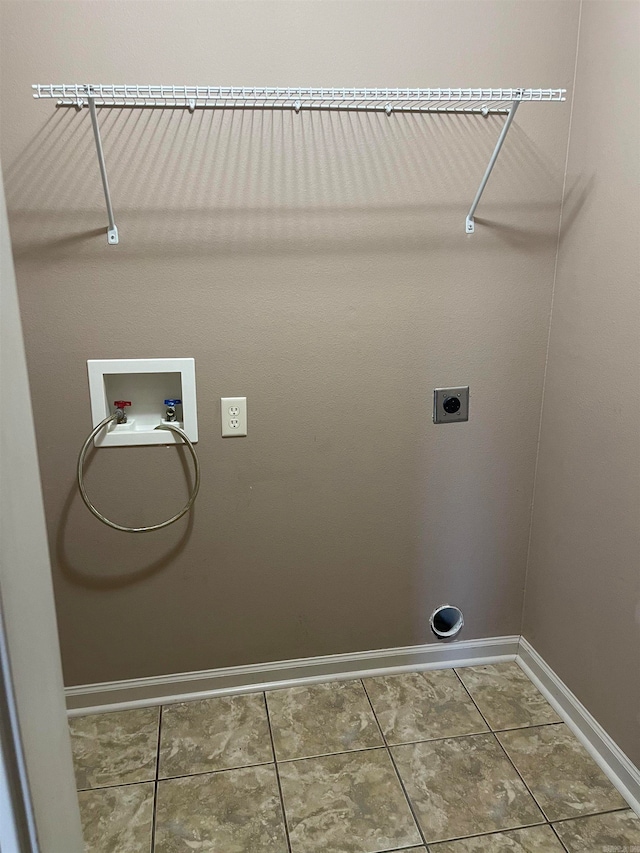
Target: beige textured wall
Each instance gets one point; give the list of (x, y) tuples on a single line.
[(582, 606), (317, 264)]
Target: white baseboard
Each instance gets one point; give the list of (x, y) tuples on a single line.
[(184, 686), (165, 689), (605, 752)]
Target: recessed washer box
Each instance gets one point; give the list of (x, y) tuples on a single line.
[(147, 383)]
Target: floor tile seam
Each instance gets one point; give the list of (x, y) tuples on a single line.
[(155, 784), (506, 728), (560, 841), (548, 823), (281, 761), (439, 739), (626, 808), (488, 729), (580, 817), (402, 849), (475, 704), (527, 727), (110, 787), (547, 817), (574, 817), (395, 769), (285, 823), (215, 772), (318, 754), (470, 736), (519, 775), (270, 723), (541, 822)]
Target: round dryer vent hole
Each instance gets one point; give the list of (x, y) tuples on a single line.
[(446, 621)]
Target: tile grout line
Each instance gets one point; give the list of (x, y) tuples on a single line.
[(592, 814), (489, 833), (525, 728), (214, 772), (395, 767), (544, 820), (542, 811), (155, 783), (476, 734), (519, 728), (320, 755), (388, 745), (560, 841), (495, 732), (275, 765), (548, 819), (330, 754), (115, 785)]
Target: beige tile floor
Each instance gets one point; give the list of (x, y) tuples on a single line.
[(449, 761)]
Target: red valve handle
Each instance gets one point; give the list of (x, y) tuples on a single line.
[(121, 404)]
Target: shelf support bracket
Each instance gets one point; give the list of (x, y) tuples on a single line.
[(470, 224), (112, 230)]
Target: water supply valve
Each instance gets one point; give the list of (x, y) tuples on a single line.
[(170, 414), (121, 405)]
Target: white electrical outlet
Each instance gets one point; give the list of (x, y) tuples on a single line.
[(233, 413)]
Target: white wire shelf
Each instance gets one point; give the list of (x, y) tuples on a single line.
[(453, 101), (484, 101)]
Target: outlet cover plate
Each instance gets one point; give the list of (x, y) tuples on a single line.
[(233, 416), (447, 398)]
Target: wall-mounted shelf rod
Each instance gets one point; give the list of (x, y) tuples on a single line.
[(112, 230), (483, 102), (469, 222)]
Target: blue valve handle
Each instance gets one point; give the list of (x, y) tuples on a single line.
[(172, 402)]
